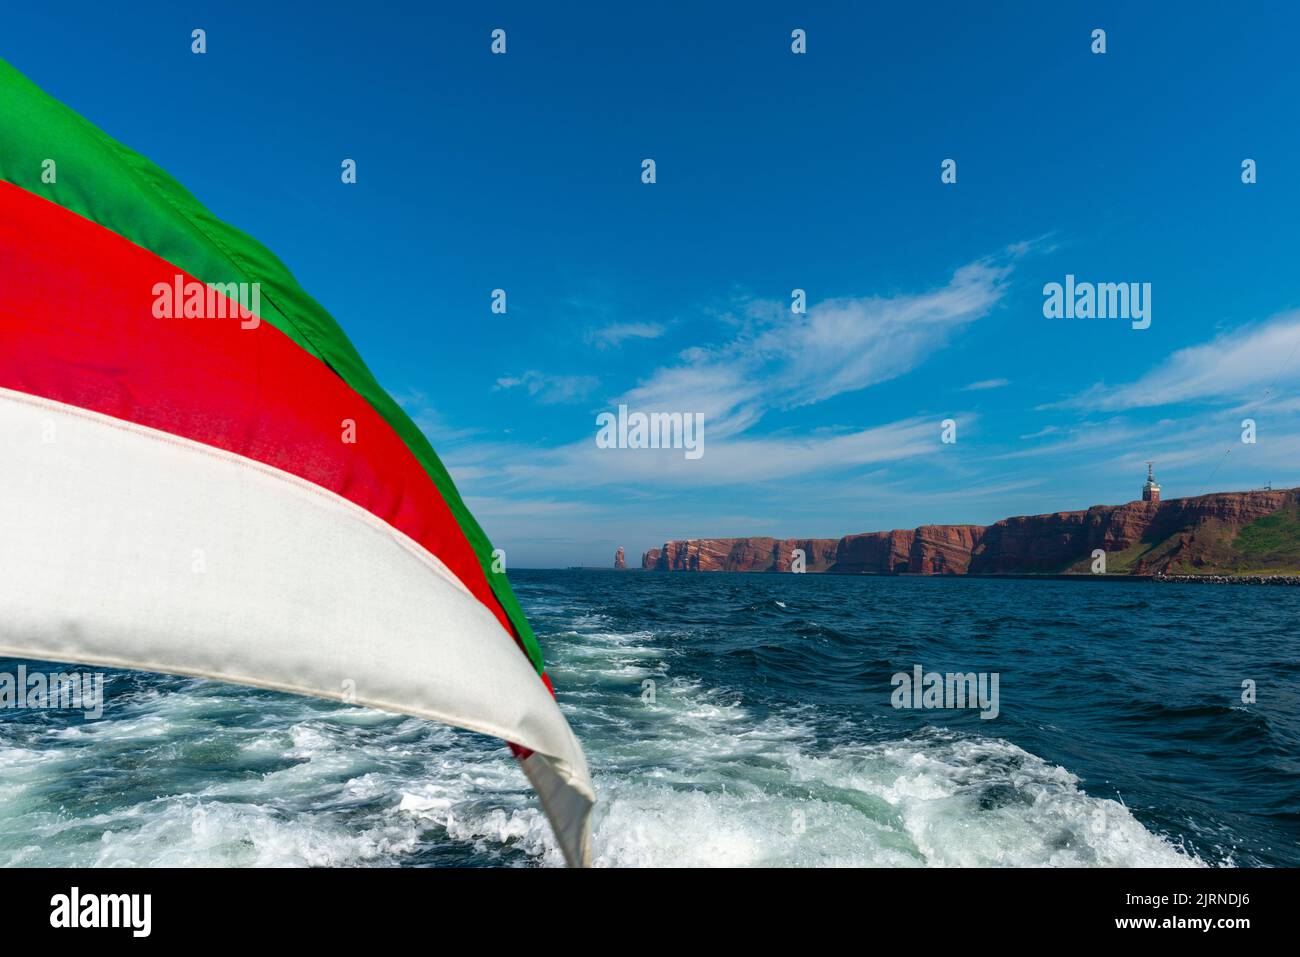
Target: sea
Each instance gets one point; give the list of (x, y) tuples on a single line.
[(731, 720)]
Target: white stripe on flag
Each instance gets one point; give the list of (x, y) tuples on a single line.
[(127, 547)]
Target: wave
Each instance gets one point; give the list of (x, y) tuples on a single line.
[(688, 773)]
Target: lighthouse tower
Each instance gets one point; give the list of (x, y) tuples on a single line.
[(1150, 491)]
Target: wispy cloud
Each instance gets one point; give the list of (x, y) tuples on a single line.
[(771, 360), (1236, 365), (986, 384), (550, 389), (616, 334), (429, 420), (738, 460), (1086, 437), (1044, 431), (779, 361)]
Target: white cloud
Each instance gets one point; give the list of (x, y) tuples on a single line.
[(1087, 437), (1044, 431), (615, 334), (550, 389), (779, 360), (429, 420), (734, 460), (772, 361), (1240, 364), (986, 384)]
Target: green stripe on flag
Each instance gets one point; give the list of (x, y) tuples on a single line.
[(119, 189)]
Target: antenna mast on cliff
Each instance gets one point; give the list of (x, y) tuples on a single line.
[(1150, 491)]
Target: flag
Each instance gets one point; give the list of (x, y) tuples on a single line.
[(200, 476)]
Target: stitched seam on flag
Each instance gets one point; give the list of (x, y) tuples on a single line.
[(374, 524), (124, 156), (372, 521), (108, 661), (500, 590), (450, 495), (130, 160)]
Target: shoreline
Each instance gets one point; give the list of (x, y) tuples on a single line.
[(1207, 579), (1220, 532), (1216, 579)]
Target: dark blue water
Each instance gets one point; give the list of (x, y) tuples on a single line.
[(732, 719)]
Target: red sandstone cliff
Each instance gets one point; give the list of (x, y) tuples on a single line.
[(1139, 538), (874, 553), (740, 554)]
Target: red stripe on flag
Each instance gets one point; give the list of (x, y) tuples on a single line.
[(77, 326)]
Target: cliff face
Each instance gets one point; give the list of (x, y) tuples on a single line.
[(759, 554), (1139, 537), (1223, 531), (620, 562), (944, 549), (874, 553)]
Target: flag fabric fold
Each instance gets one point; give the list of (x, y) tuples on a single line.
[(199, 475)]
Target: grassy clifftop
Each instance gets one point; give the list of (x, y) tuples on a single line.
[(1271, 543), (1267, 545)]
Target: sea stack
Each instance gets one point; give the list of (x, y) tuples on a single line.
[(620, 562)]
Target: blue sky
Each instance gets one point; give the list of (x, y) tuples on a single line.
[(775, 172)]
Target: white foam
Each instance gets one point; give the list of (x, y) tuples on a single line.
[(695, 777)]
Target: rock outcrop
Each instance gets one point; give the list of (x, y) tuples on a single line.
[(874, 553), (620, 562), (741, 555), (943, 549), (1199, 534)]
